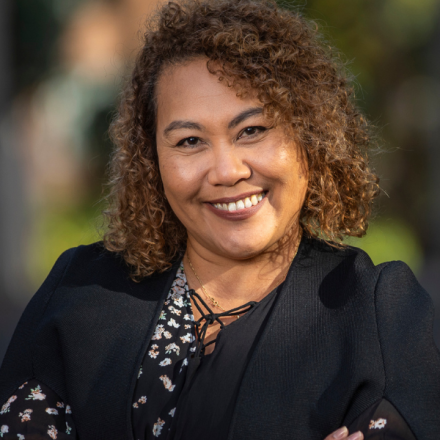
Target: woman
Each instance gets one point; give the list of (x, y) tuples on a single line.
[(220, 304)]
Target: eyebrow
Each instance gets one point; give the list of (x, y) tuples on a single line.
[(245, 115), (182, 124), (176, 125)]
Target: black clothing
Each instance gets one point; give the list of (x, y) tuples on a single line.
[(34, 412), (206, 404), (177, 380), (162, 375), (382, 422), (342, 335)]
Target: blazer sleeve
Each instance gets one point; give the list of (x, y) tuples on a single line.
[(411, 361), (17, 366)]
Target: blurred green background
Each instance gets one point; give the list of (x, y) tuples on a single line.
[(62, 67)]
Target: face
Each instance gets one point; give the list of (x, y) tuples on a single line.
[(235, 182)]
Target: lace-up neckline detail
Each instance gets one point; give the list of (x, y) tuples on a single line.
[(209, 318)]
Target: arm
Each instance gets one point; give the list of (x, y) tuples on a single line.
[(17, 366), (35, 412), (404, 313), (17, 372)]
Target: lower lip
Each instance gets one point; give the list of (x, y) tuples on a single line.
[(240, 214)]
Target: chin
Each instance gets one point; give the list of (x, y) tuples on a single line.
[(244, 250)]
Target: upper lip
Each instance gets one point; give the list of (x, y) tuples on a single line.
[(235, 198)]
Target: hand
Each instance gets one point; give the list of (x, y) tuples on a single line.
[(342, 434)]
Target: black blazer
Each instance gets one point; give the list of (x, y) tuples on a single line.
[(342, 335)]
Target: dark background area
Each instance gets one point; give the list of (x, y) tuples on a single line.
[(61, 69)]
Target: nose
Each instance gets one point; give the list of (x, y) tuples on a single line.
[(228, 166)]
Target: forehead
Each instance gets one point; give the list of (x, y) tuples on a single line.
[(190, 91)]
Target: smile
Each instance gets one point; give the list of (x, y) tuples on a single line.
[(247, 202)]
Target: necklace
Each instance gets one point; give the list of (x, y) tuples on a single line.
[(213, 301)]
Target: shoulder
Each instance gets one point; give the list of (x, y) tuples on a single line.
[(92, 267), (333, 255), (87, 300), (391, 289), (403, 307), (85, 277), (345, 266), (350, 269), (400, 299), (91, 264)]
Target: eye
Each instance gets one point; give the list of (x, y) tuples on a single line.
[(189, 142), (251, 132)]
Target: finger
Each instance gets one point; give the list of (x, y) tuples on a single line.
[(339, 434), (356, 436)]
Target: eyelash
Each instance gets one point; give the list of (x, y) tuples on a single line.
[(259, 128)]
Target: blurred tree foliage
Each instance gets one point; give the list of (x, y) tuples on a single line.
[(384, 44), (38, 25)]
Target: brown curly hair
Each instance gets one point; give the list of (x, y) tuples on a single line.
[(253, 45)]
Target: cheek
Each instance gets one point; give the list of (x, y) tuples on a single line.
[(283, 164), (179, 178)]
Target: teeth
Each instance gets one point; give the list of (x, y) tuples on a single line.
[(248, 202)]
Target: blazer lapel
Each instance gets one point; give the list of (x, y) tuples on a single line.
[(274, 393)]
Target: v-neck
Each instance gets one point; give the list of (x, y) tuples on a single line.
[(171, 378)]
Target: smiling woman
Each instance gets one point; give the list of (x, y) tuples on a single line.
[(215, 148), (222, 303)]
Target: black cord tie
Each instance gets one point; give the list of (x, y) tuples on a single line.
[(210, 318)]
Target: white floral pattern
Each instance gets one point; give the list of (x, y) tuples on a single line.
[(172, 338), (25, 415), (378, 424), (172, 348), (36, 394), (53, 432), (153, 352), (3, 430), (158, 427), (167, 383), (172, 322), (34, 404), (7, 406), (158, 332), (165, 362)]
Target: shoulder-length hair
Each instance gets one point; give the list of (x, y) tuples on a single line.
[(251, 45)]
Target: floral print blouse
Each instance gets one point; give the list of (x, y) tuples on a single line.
[(157, 393), (34, 411)]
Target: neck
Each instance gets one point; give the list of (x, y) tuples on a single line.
[(235, 282)]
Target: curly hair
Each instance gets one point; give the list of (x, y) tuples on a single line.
[(251, 45)]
